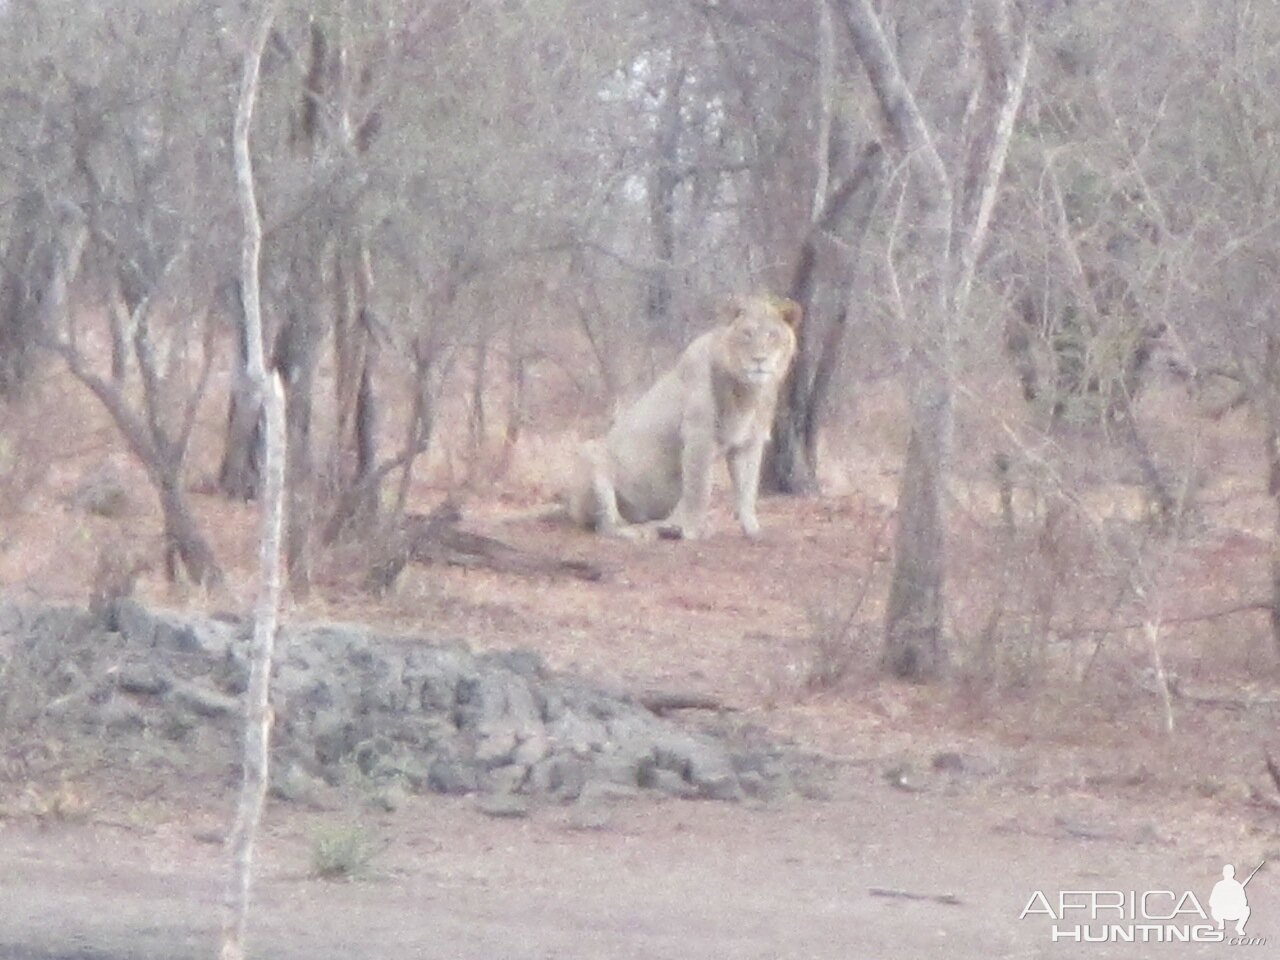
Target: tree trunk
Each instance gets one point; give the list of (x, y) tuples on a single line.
[(914, 625), (240, 474), (162, 461), (477, 421), (662, 185), (1271, 397), (295, 361), (258, 712), (788, 467), (366, 425), (915, 639), (354, 347), (183, 539), (21, 274), (791, 460)]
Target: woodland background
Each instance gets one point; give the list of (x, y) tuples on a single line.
[(1035, 244)]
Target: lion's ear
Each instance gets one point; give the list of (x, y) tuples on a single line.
[(791, 312)]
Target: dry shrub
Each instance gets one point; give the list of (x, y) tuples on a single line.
[(343, 851), (836, 647), (62, 804), (840, 640)]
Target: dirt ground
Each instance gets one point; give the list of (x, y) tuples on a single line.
[(919, 791), (677, 880), (959, 802)]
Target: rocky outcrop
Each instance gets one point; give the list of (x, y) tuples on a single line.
[(410, 713)]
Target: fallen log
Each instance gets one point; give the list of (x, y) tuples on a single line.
[(437, 538)]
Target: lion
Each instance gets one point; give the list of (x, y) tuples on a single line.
[(652, 472)]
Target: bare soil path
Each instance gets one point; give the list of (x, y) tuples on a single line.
[(674, 880)]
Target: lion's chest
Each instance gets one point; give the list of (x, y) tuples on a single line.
[(737, 428)]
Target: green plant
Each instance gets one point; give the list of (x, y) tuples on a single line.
[(342, 851)]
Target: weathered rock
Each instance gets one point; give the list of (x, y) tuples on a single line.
[(559, 777), (401, 714), (668, 781), (291, 783), (503, 805), (449, 775), (168, 632), (143, 679), (119, 716), (605, 793), (204, 702), (587, 816)]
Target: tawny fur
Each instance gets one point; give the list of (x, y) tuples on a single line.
[(652, 472)]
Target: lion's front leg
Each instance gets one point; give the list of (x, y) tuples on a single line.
[(744, 471), (697, 459)]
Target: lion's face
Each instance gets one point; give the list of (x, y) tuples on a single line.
[(759, 340)]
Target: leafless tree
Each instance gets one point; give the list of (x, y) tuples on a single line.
[(947, 232), (258, 714), (128, 225)]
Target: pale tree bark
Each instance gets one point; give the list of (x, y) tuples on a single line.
[(258, 719), (826, 106), (915, 637)]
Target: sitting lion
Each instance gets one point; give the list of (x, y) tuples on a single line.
[(652, 471)]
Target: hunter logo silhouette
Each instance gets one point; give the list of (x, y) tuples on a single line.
[(1228, 901)]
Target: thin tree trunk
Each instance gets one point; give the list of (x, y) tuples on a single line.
[(295, 361), (18, 334), (915, 639), (145, 433), (1271, 397), (991, 149), (355, 348), (479, 418), (182, 535), (826, 108), (662, 185), (240, 473), (258, 716), (915, 643), (366, 425)]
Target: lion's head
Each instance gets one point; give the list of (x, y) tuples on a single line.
[(758, 339)]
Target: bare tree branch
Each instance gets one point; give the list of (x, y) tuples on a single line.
[(994, 149), (826, 96)]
